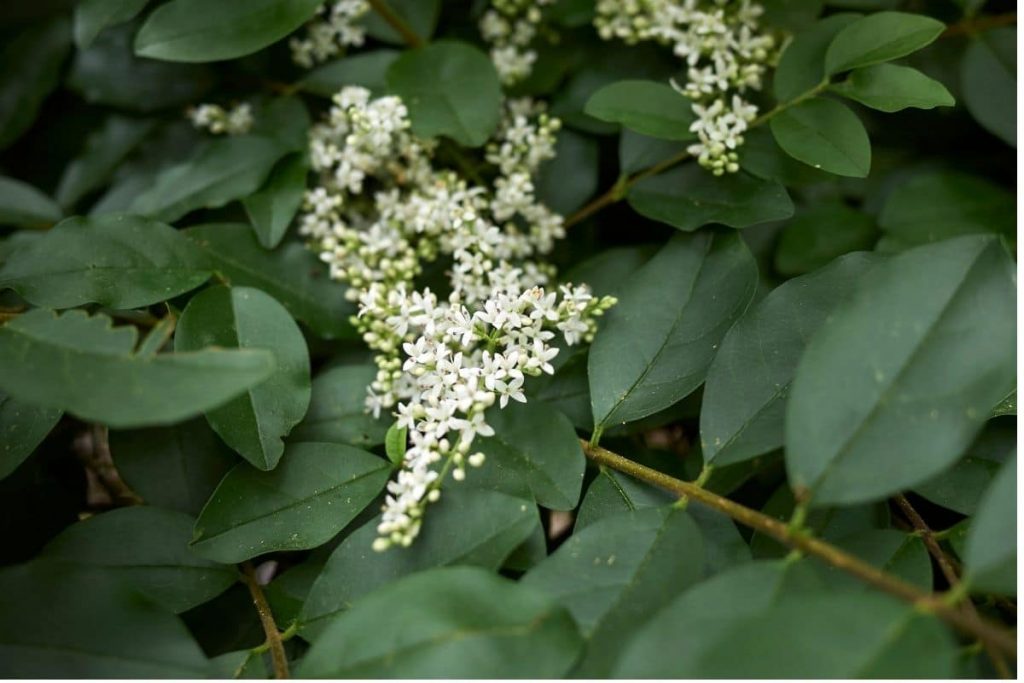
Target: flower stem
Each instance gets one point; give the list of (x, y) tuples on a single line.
[(274, 642), (986, 630)]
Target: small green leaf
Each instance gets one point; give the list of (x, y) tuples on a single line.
[(196, 31), (148, 547), (368, 69), (905, 373), (23, 426), (22, 204), (30, 65), (60, 619), (395, 443), (961, 488), (690, 197), (273, 208), (451, 89), (104, 151), (337, 409), (92, 16), (312, 495), (820, 234), (449, 617), (743, 409), (685, 298), (991, 551), (84, 366), (115, 260), (223, 170), (880, 37), (291, 274), (647, 107), (824, 134), (889, 88), (255, 423), (802, 64), (989, 71)]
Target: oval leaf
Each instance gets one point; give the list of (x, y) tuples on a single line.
[(337, 409), (647, 107), (880, 37), (272, 209), (23, 426), (889, 88), (824, 134), (991, 551), (22, 204), (989, 71), (92, 16)]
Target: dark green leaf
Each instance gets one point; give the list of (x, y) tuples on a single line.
[(23, 427), (316, 490), (905, 373), (570, 179), (889, 88), (647, 107), (368, 69), (291, 274), (84, 366), (29, 71), (272, 209), (196, 31), (104, 151), (115, 260), (395, 443), (148, 548), (743, 410), (639, 152), (826, 135), (988, 72), (22, 204), (690, 197), (991, 550), (685, 298), (92, 16), (878, 38), (802, 64), (286, 120), (820, 234), (337, 409), (761, 156), (456, 622), (419, 15), (894, 552), (451, 89)]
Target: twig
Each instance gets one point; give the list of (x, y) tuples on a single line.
[(396, 22), (93, 449), (274, 642), (986, 630), (973, 25)]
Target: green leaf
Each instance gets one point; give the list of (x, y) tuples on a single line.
[(255, 423), (273, 208), (337, 409), (897, 553), (84, 366), (451, 89), (104, 151), (92, 16), (612, 493), (937, 205), (224, 170), (647, 107), (889, 88), (536, 447), (284, 119), (368, 69), (904, 374), (685, 299), (22, 204), (148, 548), (826, 135), (820, 234), (989, 71), (690, 197), (419, 15), (312, 495), (61, 619), (175, 467), (612, 575), (291, 274), (29, 71), (450, 617), (115, 260), (743, 409), (639, 152), (880, 37), (802, 64), (395, 443), (466, 526), (23, 426), (991, 550), (195, 31), (566, 182), (762, 157)]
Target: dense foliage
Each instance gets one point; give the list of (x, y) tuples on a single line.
[(567, 338)]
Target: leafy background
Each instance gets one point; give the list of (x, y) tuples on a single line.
[(826, 338)]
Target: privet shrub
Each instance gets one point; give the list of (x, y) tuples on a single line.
[(567, 338)]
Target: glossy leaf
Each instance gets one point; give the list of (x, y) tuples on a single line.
[(273, 208), (991, 550), (826, 135), (878, 38), (22, 204), (117, 260), (686, 298), (23, 427), (84, 366), (316, 490), (647, 107), (920, 364), (889, 88), (337, 409), (255, 423), (802, 63), (989, 71), (449, 618), (368, 69)]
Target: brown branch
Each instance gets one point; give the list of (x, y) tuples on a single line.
[(983, 629), (396, 22), (974, 25), (274, 642), (93, 450)]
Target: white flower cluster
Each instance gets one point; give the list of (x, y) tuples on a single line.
[(726, 54), (331, 32), (384, 210), (510, 27), (220, 121)]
